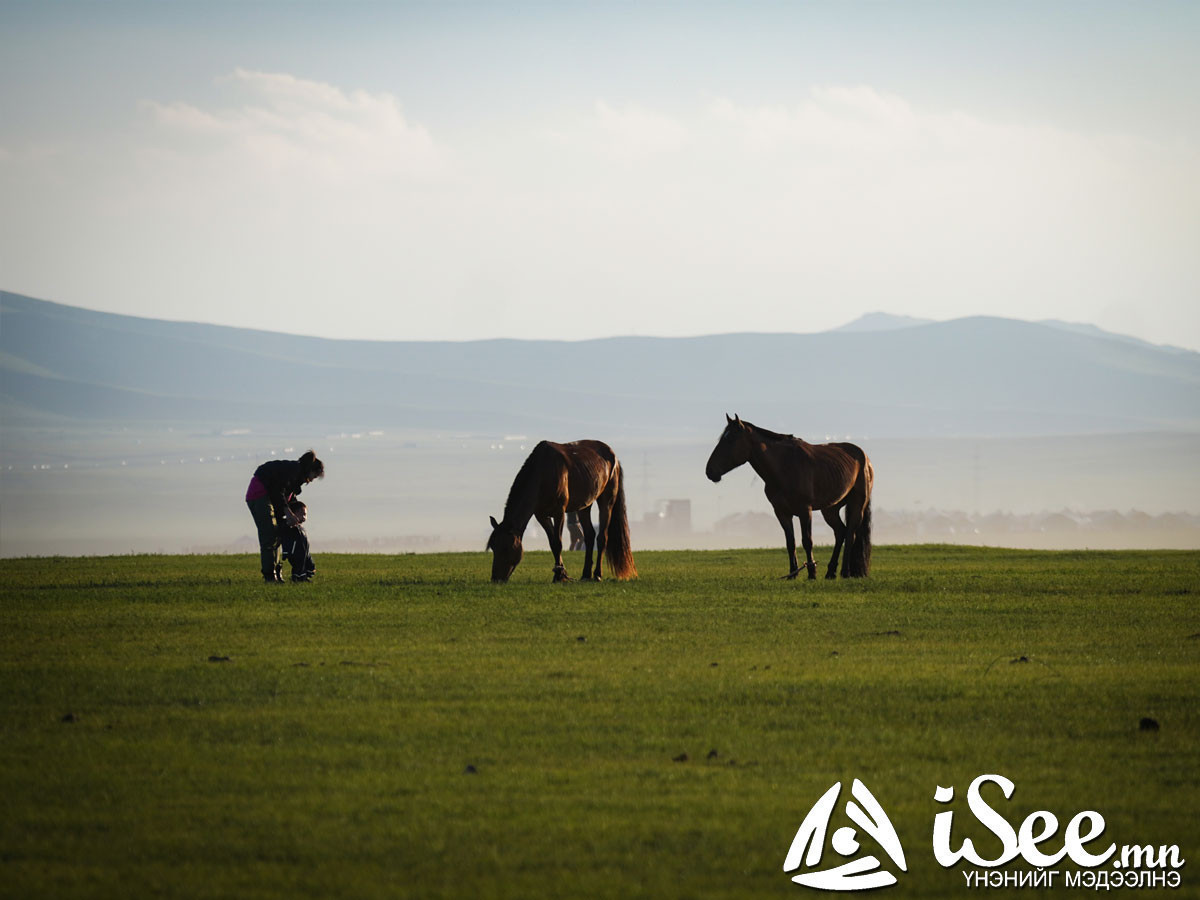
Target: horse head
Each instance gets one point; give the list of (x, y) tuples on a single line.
[(506, 551), (733, 449)]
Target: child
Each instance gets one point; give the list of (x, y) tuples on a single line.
[(295, 543)]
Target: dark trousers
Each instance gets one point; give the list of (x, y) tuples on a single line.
[(295, 549), (268, 535)]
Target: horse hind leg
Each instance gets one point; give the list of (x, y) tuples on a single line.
[(589, 540), (839, 538)]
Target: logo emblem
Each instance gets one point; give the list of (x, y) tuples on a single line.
[(859, 874)]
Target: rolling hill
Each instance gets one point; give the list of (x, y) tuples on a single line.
[(973, 376)]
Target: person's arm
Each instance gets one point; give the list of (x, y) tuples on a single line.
[(287, 516), (275, 477)]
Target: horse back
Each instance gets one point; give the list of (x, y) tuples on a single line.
[(833, 471), (854, 451), (580, 472)]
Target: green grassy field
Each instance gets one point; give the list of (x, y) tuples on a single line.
[(171, 727)]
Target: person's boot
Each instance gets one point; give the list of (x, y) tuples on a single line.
[(270, 569)]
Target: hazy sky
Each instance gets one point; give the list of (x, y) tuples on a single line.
[(568, 170)]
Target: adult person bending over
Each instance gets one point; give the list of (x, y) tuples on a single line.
[(274, 483)]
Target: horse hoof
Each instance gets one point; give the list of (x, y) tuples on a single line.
[(831, 576)]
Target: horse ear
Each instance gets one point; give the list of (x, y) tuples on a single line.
[(495, 524), (737, 419), (728, 421)]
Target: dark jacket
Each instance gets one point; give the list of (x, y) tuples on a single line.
[(283, 478)]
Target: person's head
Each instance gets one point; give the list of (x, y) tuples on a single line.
[(311, 468), (299, 510)]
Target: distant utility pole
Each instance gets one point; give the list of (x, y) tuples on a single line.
[(645, 481), (975, 477)]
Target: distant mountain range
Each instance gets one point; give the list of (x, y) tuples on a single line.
[(883, 375), (880, 321)]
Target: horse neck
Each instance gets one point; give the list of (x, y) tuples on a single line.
[(760, 459), (522, 498), (518, 511)]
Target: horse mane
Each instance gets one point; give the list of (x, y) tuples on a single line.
[(525, 483), (766, 432)]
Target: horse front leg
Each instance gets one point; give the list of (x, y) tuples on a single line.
[(789, 535), (553, 528), (806, 539), (839, 538), (589, 538)]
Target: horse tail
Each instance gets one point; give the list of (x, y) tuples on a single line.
[(860, 553), (858, 563), (617, 548)]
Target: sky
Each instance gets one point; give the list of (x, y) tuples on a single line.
[(414, 171)]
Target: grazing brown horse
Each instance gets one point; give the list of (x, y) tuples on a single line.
[(557, 479), (799, 477)]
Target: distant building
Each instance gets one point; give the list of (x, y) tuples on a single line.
[(669, 517)]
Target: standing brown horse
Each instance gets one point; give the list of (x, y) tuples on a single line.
[(557, 479), (799, 477)]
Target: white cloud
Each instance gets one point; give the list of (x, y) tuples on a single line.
[(628, 133), (304, 128), (842, 118), (720, 217), (853, 198)]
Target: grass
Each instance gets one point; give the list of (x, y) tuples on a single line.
[(402, 727)]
